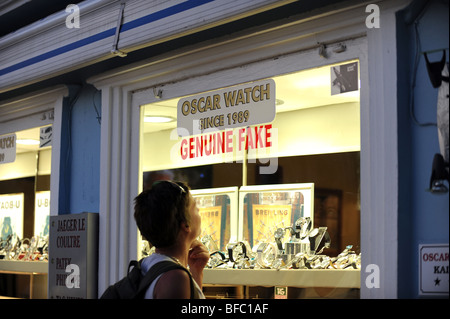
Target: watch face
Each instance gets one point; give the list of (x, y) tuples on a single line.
[(279, 233)]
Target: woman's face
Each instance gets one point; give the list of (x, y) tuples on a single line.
[(195, 220)]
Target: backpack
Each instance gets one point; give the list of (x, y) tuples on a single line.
[(134, 284)]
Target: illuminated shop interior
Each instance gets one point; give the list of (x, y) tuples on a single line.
[(24, 215), (318, 141)]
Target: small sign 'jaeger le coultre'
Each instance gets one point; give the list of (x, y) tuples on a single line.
[(237, 106), (73, 256)]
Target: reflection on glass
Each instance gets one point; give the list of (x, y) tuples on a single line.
[(215, 213)]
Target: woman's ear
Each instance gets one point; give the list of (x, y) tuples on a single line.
[(185, 226)]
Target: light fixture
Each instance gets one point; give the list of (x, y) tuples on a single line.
[(27, 141), (158, 119)]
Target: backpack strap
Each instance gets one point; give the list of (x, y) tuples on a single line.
[(158, 269)]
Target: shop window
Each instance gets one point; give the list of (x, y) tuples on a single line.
[(316, 139), (25, 197)]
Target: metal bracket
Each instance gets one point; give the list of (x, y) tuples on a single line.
[(322, 51), (114, 49)]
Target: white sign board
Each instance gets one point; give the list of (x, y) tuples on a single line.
[(7, 148), (238, 106), (433, 272), (73, 256)]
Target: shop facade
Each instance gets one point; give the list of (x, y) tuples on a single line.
[(344, 143)]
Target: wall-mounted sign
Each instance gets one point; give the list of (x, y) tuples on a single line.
[(11, 215), (237, 106), (433, 272), (73, 256), (46, 134), (344, 78), (7, 148)]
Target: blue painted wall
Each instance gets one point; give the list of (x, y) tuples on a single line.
[(423, 216), (80, 156)]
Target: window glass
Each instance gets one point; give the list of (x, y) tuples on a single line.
[(315, 138)]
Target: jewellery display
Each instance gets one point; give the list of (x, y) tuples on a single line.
[(14, 248), (303, 250), (209, 243), (217, 207)]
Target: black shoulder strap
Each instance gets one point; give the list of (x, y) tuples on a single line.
[(158, 269)]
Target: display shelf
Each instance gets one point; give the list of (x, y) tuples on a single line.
[(338, 278), (32, 277), (39, 267)]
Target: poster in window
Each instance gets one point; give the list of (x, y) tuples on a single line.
[(42, 213), (11, 215), (266, 208), (218, 209)]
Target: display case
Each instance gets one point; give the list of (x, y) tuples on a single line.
[(277, 244), (23, 260), (23, 279)]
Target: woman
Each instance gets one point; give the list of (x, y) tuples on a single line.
[(167, 216)]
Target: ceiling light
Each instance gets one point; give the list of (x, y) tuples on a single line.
[(158, 119), (27, 141)]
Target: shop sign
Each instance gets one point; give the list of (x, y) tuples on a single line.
[(344, 78), (73, 256), (7, 148), (434, 266), (46, 136), (238, 106), (226, 142)]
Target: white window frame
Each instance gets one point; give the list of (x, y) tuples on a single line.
[(36, 109), (217, 64)]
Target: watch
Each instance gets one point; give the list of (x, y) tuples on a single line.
[(303, 227), (216, 259), (279, 234), (209, 242), (267, 253), (316, 237), (236, 251)]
